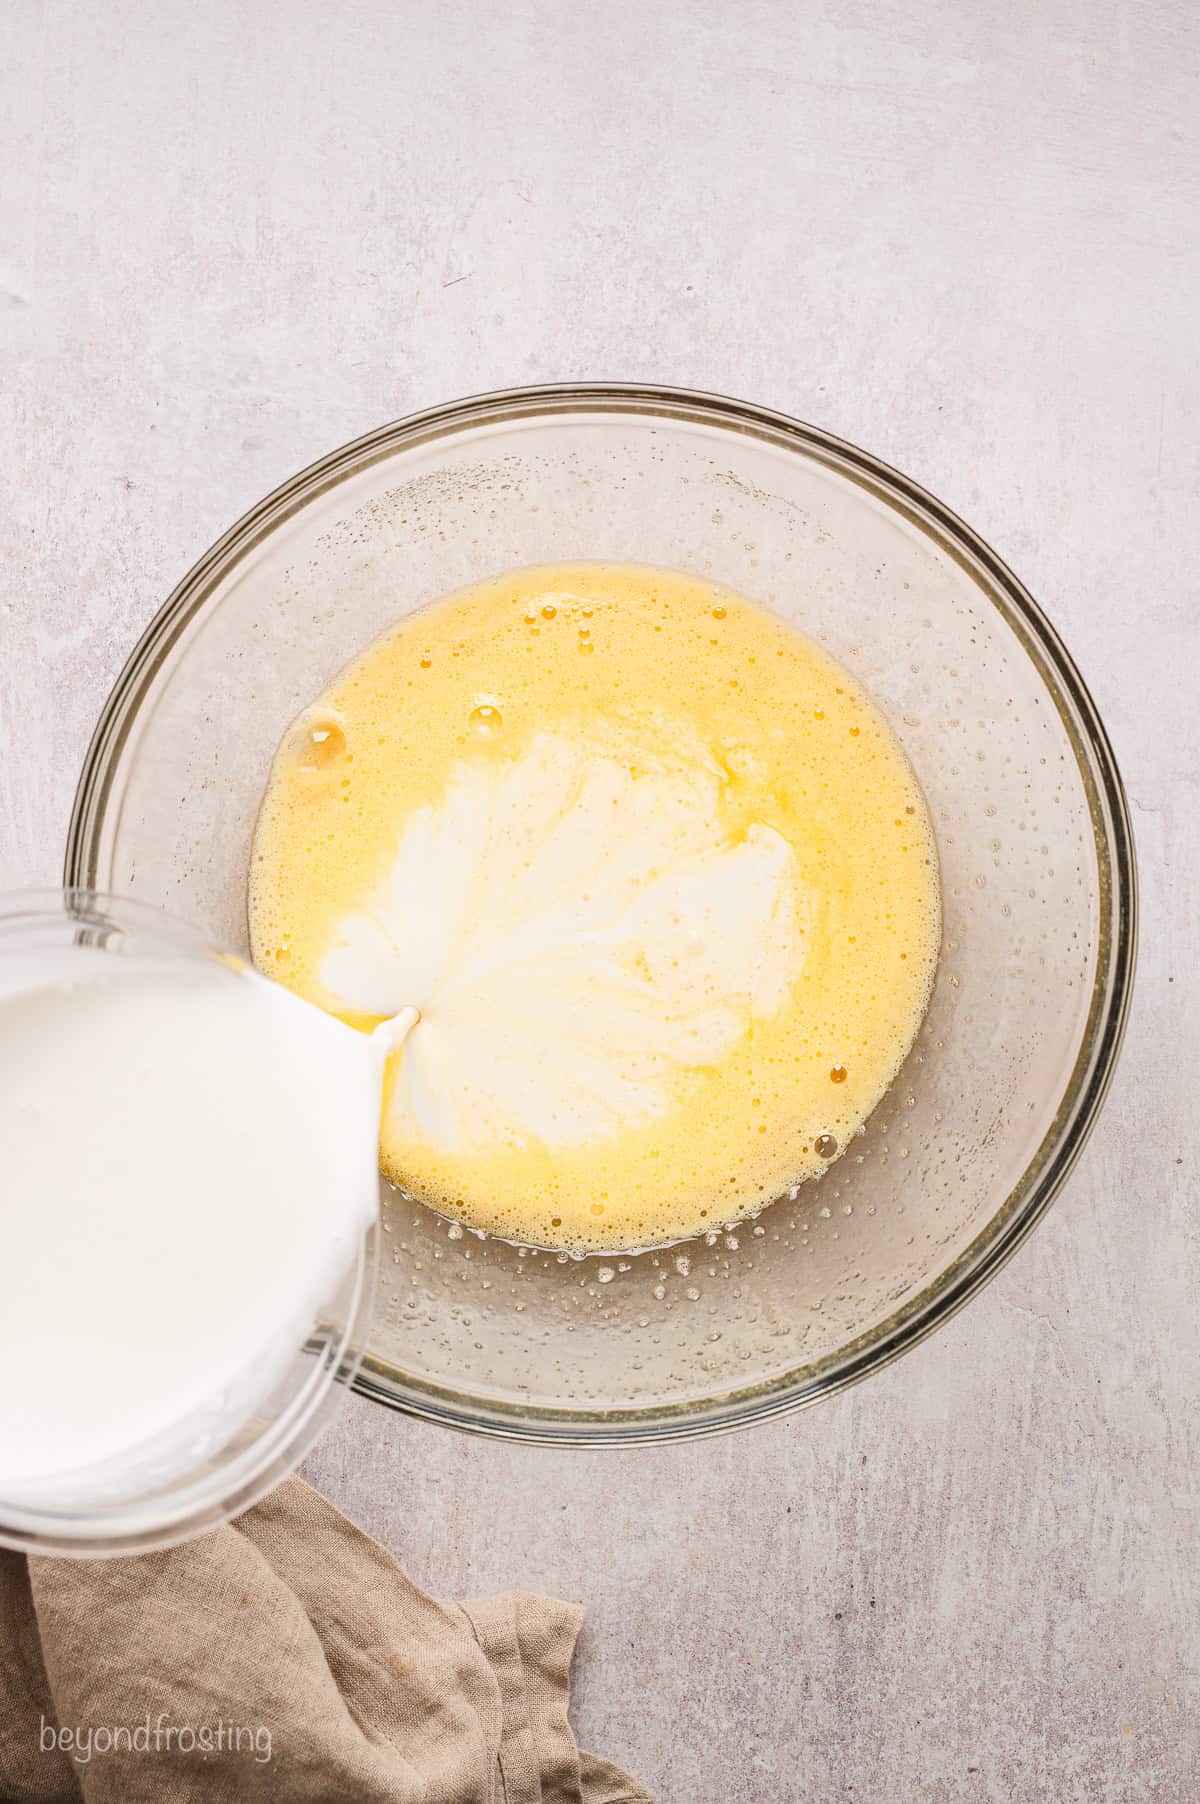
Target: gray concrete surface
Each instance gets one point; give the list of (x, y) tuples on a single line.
[(964, 235)]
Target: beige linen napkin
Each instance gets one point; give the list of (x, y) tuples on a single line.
[(284, 1656)]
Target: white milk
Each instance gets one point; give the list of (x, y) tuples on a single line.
[(556, 889), (188, 1161)]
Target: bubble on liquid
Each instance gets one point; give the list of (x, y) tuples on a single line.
[(605, 1275), (322, 742), (485, 721), (838, 1074), (825, 1146), (454, 1231)]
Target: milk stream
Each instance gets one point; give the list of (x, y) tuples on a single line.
[(189, 1164)]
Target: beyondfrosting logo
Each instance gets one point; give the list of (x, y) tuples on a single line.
[(156, 1735)]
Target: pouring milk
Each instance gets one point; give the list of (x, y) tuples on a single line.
[(189, 1164)]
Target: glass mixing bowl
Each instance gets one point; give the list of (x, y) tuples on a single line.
[(216, 1462), (991, 1109)]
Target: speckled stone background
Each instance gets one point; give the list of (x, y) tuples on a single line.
[(964, 235)]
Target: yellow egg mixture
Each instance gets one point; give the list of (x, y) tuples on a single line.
[(653, 868)]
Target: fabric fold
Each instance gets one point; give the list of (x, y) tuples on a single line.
[(284, 1656)]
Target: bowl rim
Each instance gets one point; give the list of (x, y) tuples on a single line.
[(1095, 1063)]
